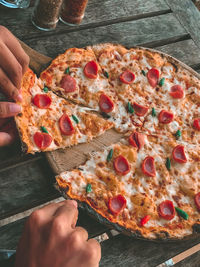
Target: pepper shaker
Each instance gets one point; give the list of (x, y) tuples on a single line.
[(46, 14), (72, 11)]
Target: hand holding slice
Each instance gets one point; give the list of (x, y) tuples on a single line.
[(148, 166), (179, 154), (121, 165), (91, 70), (127, 77), (42, 101), (166, 210), (116, 204)]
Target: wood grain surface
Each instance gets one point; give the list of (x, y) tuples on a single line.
[(153, 23)]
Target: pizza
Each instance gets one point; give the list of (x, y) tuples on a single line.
[(48, 122), (146, 185), (77, 76)]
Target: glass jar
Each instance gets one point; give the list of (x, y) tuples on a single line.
[(46, 14), (72, 11)]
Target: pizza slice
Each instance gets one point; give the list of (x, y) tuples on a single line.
[(146, 186), (48, 122), (161, 95), (77, 76)]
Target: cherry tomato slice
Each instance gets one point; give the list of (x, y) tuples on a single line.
[(127, 77), (68, 83), (136, 140), (42, 140), (166, 210), (145, 219), (66, 126), (153, 77), (139, 109), (179, 154), (121, 165), (91, 70), (197, 200), (176, 91), (165, 117), (116, 204), (105, 103), (148, 166), (42, 101), (196, 124)]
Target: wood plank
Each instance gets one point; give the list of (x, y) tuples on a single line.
[(125, 251), (192, 261), (152, 31), (98, 12), (24, 188), (186, 51), (10, 233), (189, 16)]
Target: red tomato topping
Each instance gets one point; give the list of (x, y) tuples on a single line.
[(42, 101), (121, 165), (65, 125), (42, 140), (166, 210), (91, 70), (136, 139), (179, 154), (139, 109), (196, 124), (153, 77), (197, 200), (105, 103), (148, 166), (68, 83), (127, 77), (176, 91), (165, 117), (116, 204), (145, 219)]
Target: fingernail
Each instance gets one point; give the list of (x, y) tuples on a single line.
[(14, 108), (19, 98), (74, 203)]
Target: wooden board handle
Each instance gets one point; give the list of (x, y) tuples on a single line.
[(37, 60)]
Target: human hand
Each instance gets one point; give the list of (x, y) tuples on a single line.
[(13, 64), (51, 238)]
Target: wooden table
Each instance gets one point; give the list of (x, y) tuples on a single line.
[(26, 181)]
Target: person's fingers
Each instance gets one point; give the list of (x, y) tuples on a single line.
[(6, 139), (67, 213), (8, 87), (92, 253), (15, 47), (10, 65), (3, 122), (82, 232), (8, 109)]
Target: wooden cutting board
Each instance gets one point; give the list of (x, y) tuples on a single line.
[(69, 158)]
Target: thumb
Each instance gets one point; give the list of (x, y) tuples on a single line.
[(6, 139), (8, 109)]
